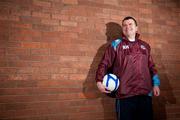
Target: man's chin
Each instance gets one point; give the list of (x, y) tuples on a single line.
[(129, 34)]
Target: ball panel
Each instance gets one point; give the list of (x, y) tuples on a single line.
[(111, 82)]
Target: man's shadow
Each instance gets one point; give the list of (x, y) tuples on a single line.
[(166, 96), (90, 90)]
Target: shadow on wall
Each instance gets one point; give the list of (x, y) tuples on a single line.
[(166, 97), (90, 90)]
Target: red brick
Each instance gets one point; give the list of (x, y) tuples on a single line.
[(88, 26), (78, 11), (40, 64), (59, 76), (3, 64), (77, 77), (34, 58), (39, 51), (79, 18), (146, 11), (18, 64), (51, 34), (43, 27), (102, 15), (13, 18), (4, 11), (18, 12), (30, 20), (69, 29), (21, 25), (116, 17), (24, 35), (60, 17), (68, 23), (28, 70), (7, 70), (146, 1), (41, 15), (173, 23), (4, 77), (36, 91), (58, 83), (69, 35), (50, 22), (30, 45), (18, 51), (70, 2), (40, 98), (42, 3), (112, 2), (2, 51), (146, 20)]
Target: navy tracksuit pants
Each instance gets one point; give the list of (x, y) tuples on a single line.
[(134, 108)]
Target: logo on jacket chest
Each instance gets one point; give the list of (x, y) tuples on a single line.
[(143, 47), (125, 47)]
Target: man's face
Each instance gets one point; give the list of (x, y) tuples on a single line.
[(129, 27)]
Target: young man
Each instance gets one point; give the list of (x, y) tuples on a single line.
[(131, 61)]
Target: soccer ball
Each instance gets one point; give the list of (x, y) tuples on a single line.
[(111, 82)]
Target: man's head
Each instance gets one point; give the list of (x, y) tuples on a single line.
[(129, 26)]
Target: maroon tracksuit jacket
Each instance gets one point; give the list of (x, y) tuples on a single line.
[(132, 63)]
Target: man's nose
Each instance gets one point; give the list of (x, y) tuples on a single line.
[(128, 26)]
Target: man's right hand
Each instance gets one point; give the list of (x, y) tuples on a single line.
[(102, 88)]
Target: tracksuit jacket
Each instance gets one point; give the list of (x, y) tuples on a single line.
[(132, 63)]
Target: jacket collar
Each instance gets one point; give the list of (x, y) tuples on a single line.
[(126, 39)]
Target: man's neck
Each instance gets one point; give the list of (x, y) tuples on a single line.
[(131, 38)]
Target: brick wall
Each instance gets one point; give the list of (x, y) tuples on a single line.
[(50, 49)]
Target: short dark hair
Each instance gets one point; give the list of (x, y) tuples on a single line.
[(129, 17)]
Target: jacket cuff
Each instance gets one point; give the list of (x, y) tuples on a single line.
[(156, 80)]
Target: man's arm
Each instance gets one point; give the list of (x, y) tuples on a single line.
[(155, 77), (106, 62)]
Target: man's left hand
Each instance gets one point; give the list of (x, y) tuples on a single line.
[(156, 90)]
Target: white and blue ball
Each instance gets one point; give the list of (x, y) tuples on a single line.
[(111, 82)]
